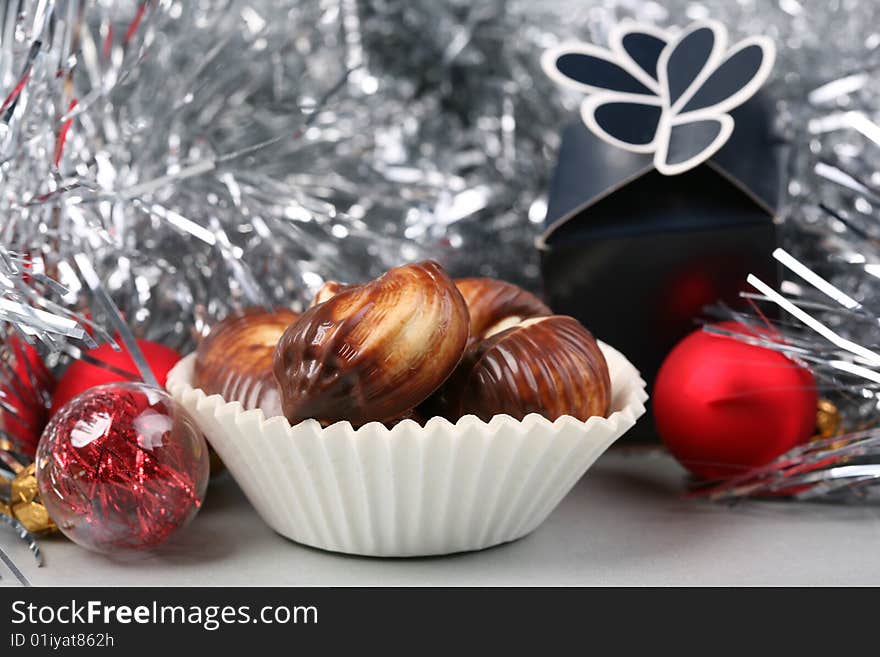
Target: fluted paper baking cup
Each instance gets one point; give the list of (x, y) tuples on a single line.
[(409, 490)]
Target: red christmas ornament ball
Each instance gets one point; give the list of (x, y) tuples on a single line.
[(122, 468), (723, 407), (80, 375), (25, 384)]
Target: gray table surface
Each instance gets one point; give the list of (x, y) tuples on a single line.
[(623, 524)]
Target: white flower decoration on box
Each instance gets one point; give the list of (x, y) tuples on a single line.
[(663, 92)]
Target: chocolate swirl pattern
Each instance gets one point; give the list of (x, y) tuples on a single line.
[(373, 352), (235, 360), (546, 365), (495, 305)]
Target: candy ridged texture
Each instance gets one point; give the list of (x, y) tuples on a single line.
[(551, 366), (492, 303), (373, 352), (122, 467), (235, 360)]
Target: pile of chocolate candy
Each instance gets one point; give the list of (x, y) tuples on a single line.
[(411, 344)]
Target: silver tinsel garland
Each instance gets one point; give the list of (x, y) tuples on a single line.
[(211, 154), (221, 153)]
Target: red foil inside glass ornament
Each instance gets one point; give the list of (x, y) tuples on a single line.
[(122, 467)]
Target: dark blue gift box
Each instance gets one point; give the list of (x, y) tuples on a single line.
[(635, 255)]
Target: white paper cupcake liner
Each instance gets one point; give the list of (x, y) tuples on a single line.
[(408, 490)]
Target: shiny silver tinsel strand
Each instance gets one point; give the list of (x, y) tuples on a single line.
[(26, 303), (29, 539)]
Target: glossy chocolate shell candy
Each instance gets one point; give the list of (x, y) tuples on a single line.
[(373, 352), (546, 365), (495, 305), (235, 360)]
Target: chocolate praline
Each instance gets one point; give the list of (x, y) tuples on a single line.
[(495, 305), (551, 366), (235, 359), (373, 352)]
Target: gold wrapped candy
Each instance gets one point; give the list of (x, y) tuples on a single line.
[(23, 500), (828, 421)]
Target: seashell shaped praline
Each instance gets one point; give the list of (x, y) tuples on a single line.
[(495, 305), (373, 352), (547, 365), (235, 359)]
